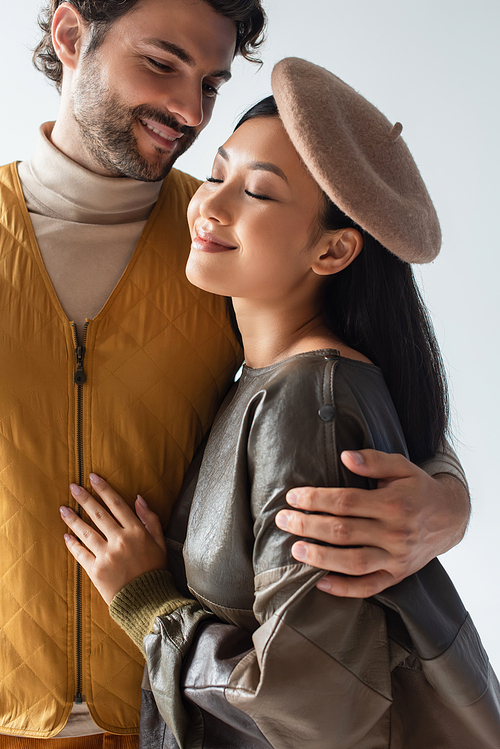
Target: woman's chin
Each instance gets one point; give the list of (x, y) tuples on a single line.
[(203, 281)]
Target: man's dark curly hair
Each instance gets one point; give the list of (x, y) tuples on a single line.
[(248, 15)]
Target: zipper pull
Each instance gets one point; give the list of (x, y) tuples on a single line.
[(80, 376)]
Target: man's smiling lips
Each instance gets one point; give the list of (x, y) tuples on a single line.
[(164, 136), (206, 242)]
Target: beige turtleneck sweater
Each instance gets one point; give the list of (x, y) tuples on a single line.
[(87, 226)]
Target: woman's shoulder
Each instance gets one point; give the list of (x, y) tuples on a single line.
[(346, 352), (315, 381), (323, 386), (295, 371)]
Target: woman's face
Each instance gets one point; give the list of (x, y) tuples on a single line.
[(252, 221)]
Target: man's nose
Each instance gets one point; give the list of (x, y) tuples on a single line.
[(186, 105)]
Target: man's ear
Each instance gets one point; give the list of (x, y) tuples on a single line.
[(68, 30), (336, 250)]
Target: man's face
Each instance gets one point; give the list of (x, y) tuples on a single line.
[(141, 98)]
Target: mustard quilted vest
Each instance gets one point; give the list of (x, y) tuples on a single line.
[(132, 406)]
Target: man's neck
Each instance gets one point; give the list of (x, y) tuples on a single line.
[(65, 136)]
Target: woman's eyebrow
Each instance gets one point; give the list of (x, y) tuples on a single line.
[(265, 166)]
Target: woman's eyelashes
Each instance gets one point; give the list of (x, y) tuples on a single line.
[(256, 195)]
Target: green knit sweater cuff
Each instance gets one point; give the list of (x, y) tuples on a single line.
[(136, 606)]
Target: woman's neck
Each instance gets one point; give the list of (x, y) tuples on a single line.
[(273, 333)]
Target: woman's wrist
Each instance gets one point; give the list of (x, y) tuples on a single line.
[(136, 606)]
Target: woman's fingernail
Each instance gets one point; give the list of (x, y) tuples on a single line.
[(95, 479), (323, 584), (68, 538), (282, 519), (75, 489), (299, 551), (142, 502), (292, 499), (65, 511), (355, 457)]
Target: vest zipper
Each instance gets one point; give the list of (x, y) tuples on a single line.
[(80, 379)]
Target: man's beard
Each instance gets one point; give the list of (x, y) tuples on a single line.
[(107, 129)]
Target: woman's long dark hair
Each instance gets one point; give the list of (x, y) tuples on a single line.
[(375, 307)]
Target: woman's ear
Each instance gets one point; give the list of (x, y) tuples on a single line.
[(336, 250), (68, 29)]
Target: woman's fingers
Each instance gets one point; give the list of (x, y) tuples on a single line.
[(151, 521), (119, 511), (118, 507), (129, 545), (91, 538), (82, 555)]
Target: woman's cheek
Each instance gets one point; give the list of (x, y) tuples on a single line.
[(193, 210)]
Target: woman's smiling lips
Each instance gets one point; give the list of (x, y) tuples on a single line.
[(206, 242)]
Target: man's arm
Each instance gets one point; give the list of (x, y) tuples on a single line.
[(381, 536)]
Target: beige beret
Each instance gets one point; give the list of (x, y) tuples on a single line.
[(358, 158)]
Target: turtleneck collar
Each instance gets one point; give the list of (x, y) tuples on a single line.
[(56, 186)]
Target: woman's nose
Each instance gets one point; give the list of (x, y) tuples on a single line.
[(216, 206)]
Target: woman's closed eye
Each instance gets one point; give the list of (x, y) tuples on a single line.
[(250, 193), (257, 196)]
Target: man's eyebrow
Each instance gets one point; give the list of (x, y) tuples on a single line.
[(265, 166), (184, 56)]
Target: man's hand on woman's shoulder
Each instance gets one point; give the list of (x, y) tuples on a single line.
[(378, 537)]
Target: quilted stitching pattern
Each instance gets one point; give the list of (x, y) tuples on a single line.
[(160, 356), (34, 616)]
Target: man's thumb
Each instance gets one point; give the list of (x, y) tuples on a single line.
[(376, 464)]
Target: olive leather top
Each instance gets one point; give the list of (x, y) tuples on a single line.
[(245, 651)]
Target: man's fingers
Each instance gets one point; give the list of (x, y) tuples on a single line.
[(346, 502), (345, 586), (376, 464), (342, 531), (362, 560)]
